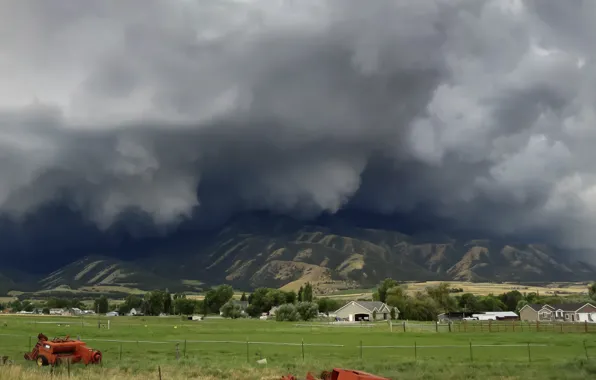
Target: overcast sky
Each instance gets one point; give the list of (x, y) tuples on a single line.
[(480, 112)]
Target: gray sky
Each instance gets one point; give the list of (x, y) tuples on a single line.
[(482, 112)]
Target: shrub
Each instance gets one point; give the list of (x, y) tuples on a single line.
[(287, 312)]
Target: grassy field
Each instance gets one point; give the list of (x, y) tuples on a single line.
[(216, 348)]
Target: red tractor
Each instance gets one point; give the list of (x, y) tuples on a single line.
[(60, 350)]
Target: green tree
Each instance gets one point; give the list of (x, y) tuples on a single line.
[(307, 310), (243, 297), (491, 303), (395, 295), (468, 302), (300, 292), (393, 313), (307, 293), (154, 302), (231, 310), (167, 303), (101, 304), (184, 306), (384, 286), (442, 297), (592, 291), (217, 297), (291, 296), (253, 311), (511, 299)]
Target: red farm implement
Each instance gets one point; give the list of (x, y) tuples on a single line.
[(61, 350), (339, 374)]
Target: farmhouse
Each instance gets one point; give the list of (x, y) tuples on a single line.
[(365, 311), (565, 312)]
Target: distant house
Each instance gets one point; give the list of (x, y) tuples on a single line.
[(75, 311), (112, 314), (56, 311), (364, 311), (273, 311), (133, 312), (565, 312)]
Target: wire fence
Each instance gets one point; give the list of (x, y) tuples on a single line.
[(117, 350)]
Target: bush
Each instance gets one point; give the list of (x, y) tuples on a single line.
[(286, 312), (231, 310)]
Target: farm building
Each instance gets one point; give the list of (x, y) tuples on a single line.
[(480, 316), (455, 316), (496, 316), (364, 311), (566, 312)]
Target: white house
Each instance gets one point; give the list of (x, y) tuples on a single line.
[(365, 311), (132, 312)]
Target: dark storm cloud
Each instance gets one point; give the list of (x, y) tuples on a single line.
[(480, 112)]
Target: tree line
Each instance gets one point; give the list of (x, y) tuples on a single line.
[(428, 304)]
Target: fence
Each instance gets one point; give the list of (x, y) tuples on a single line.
[(116, 350), (464, 326)]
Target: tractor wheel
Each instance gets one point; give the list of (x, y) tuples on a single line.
[(42, 361)]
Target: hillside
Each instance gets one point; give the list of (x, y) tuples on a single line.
[(253, 251), (249, 255)]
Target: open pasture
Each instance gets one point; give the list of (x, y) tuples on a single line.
[(142, 343)]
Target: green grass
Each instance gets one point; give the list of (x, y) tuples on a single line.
[(436, 355)]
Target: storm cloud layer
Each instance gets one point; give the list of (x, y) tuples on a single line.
[(478, 112)]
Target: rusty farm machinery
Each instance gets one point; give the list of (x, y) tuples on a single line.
[(62, 350), (339, 374)]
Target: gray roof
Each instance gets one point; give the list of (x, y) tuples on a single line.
[(371, 305), (537, 306), (573, 306)]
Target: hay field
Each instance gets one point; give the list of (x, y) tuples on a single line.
[(477, 288)]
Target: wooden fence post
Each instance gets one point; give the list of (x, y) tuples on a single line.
[(416, 350)]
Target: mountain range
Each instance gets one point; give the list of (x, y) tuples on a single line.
[(254, 251)]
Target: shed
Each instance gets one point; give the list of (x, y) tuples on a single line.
[(364, 311)]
